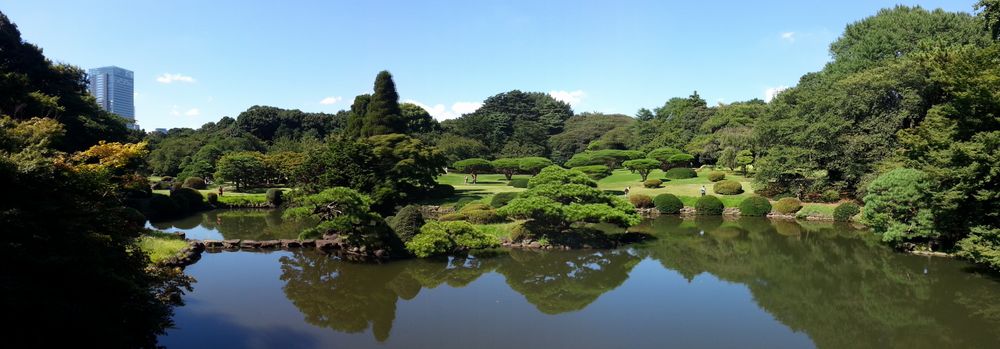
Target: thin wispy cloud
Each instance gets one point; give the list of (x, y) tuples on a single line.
[(441, 113), (570, 97), (788, 36), (176, 111), (167, 78), (330, 100)]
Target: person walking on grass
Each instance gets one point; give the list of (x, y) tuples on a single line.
[(220, 190), (703, 190), (466, 179), (626, 190)]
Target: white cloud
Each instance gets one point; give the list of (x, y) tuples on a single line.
[(176, 111), (441, 113), (167, 78), (788, 36), (331, 100), (192, 112), (571, 97), (771, 92)]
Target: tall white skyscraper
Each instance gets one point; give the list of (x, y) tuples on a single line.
[(113, 88)]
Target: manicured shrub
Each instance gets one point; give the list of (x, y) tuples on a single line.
[(441, 191), (755, 206), (845, 211), (519, 232), (518, 182), (187, 199), (680, 173), (727, 187), (273, 197), (212, 199), (449, 217), (501, 199), (652, 183), (195, 183), (474, 206), (162, 185), (176, 185), (831, 196), (788, 205), (708, 205), (483, 216), (443, 237), (641, 201), (668, 203), (407, 222), (162, 207), (716, 176), (595, 172)]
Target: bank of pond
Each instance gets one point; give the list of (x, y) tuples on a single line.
[(760, 282)]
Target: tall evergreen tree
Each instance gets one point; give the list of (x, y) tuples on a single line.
[(356, 120), (383, 115)]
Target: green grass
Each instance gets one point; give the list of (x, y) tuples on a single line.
[(499, 230), (160, 246), (688, 190), (465, 193)]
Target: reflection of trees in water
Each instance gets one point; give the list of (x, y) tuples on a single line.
[(837, 284), (351, 297), (559, 282), (242, 224)]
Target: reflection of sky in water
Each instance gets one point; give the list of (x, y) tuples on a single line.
[(750, 287)]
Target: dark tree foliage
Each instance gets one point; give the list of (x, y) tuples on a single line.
[(580, 130), (270, 123), (383, 114), (514, 123)]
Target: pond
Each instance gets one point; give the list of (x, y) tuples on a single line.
[(705, 283), (244, 224)]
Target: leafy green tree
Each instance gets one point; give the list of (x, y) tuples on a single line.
[(558, 197), (580, 130), (642, 166), (242, 168), (473, 167), (345, 213), (356, 118), (417, 119), (644, 115), (899, 206), (508, 166), (990, 12), (455, 147), (728, 158), (743, 159), (443, 237), (514, 123), (533, 165)]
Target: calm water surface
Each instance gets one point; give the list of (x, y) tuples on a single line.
[(704, 283)]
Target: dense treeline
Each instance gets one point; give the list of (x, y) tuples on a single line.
[(70, 267)]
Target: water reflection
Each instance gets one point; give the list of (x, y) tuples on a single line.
[(832, 282), (250, 224)]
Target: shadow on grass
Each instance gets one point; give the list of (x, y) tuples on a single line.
[(459, 199)]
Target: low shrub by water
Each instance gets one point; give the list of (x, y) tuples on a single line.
[(755, 206), (708, 205), (407, 222), (788, 205), (845, 211), (273, 197), (641, 200), (668, 203)]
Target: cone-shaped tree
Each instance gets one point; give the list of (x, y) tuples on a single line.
[(383, 115), (356, 119)]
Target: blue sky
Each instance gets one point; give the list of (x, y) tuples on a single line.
[(196, 61)]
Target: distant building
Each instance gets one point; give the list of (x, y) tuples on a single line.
[(113, 88), (161, 130)]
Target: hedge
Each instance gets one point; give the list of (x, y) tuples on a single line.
[(788, 205), (668, 203), (518, 182), (641, 201), (195, 182), (728, 187), (755, 206), (652, 183), (680, 173), (716, 176), (708, 205)]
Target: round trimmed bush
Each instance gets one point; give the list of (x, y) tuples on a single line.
[(708, 205), (212, 199), (716, 176), (788, 205), (845, 211), (831, 196), (652, 183), (518, 182), (668, 203), (483, 216), (641, 201), (728, 187), (188, 199), (273, 197), (755, 206), (680, 173), (595, 172), (195, 183), (501, 199), (441, 191), (176, 185), (407, 222)]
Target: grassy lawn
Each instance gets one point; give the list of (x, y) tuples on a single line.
[(688, 190), (465, 193), (161, 246)]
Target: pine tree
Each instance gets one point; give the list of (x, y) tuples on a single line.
[(383, 115), (356, 119)]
